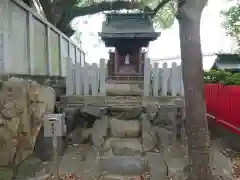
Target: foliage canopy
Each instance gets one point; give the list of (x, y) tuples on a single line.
[(61, 12), (232, 21)]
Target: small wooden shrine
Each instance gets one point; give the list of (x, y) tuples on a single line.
[(128, 33)]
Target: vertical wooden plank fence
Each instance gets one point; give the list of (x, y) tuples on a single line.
[(158, 81), (29, 44)]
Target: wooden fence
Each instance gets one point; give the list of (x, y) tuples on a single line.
[(86, 80), (162, 81), (31, 45), (91, 80)]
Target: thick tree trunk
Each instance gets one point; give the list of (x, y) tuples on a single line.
[(196, 123)]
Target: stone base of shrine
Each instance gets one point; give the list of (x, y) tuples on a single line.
[(124, 83), (124, 88)]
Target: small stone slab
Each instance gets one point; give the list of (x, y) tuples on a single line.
[(123, 165), (119, 177), (176, 167), (158, 168), (125, 146), (132, 113)]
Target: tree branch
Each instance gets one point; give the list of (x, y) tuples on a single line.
[(62, 12), (159, 6), (28, 2), (103, 6), (47, 8)]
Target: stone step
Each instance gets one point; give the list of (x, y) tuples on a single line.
[(120, 177), (115, 92), (123, 165), (158, 167), (124, 146)]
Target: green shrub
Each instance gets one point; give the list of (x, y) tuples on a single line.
[(222, 77)]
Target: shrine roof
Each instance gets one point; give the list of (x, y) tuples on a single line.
[(227, 62), (128, 25)]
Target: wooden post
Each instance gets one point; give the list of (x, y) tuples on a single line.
[(160, 78), (116, 62), (30, 44), (69, 77), (165, 76), (147, 70), (102, 78), (155, 79), (181, 81), (174, 79), (85, 80), (78, 79), (49, 50), (94, 80), (4, 42), (60, 54)]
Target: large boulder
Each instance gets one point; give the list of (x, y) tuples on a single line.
[(165, 138), (23, 104), (166, 116), (132, 113), (92, 111), (100, 132), (149, 138), (121, 128), (151, 110)]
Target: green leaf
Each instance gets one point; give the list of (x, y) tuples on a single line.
[(165, 16), (232, 21)]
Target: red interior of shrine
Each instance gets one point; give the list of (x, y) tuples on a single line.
[(119, 66)]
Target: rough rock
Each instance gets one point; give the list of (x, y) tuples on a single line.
[(6, 173), (158, 167), (149, 138), (118, 177), (115, 109), (43, 146), (91, 110), (132, 113), (79, 135), (33, 167), (166, 115), (176, 168), (7, 149), (221, 164), (151, 110), (164, 137), (74, 119), (123, 165), (100, 132), (23, 104), (183, 136), (121, 128), (125, 146)]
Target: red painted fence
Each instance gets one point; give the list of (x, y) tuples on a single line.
[(223, 103)]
